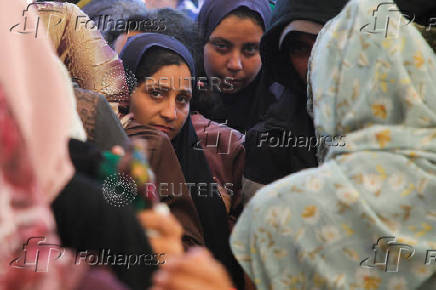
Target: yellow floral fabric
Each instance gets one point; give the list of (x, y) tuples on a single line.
[(313, 229)]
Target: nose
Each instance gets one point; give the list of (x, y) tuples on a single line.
[(234, 64), (169, 111)]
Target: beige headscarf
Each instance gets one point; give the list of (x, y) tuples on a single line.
[(342, 225)]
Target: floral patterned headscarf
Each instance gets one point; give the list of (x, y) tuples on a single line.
[(373, 87), (319, 228)]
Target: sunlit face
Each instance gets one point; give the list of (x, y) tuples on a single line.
[(122, 39), (233, 51), (162, 100), (299, 53)]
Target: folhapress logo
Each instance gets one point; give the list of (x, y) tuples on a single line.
[(387, 253), (387, 19), (37, 255)]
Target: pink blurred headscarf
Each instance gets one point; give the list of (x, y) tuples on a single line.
[(36, 93), (35, 122)]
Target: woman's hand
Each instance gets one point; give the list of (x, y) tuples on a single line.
[(194, 270), (163, 231)]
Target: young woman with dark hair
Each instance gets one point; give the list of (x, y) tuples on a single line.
[(230, 33), (160, 98), (222, 146), (285, 50)]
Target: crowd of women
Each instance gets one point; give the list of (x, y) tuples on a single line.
[(217, 144)]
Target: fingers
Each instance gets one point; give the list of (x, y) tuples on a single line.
[(165, 224), (167, 232), (118, 150)]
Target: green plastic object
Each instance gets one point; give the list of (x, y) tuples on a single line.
[(140, 204), (109, 166)]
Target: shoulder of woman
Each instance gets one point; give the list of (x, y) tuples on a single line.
[(212, 134)]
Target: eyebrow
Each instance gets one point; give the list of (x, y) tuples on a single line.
[(213, 39), (252, 43), (187, 92), (155, 86), (300, 41), (162, 87), (167, 88), (306, 37)]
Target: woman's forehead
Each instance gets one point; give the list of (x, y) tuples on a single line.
[(177, 77), (235, 29)]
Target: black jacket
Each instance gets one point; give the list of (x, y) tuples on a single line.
[(87, 222)]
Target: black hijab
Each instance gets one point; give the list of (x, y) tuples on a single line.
[(213, 11), (288, 116), (275, 62), (245, 108), (209, 204)]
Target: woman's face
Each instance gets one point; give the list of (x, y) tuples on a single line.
[(299, 53), (233, 52), (162, 100)]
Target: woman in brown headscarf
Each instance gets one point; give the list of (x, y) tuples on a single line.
[(95, 67)]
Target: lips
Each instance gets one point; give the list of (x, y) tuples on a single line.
[(164, 129), (236, 83), (232, 85)]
